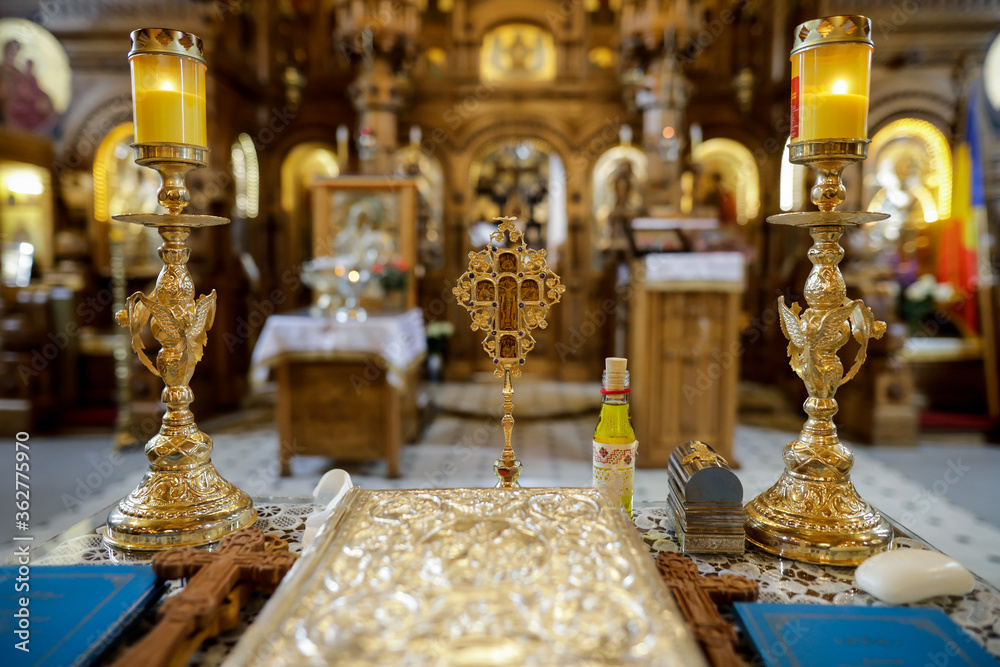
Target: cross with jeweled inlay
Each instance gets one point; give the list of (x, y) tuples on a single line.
[(508, 290)]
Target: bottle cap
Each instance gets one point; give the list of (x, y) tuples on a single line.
[(614, 372)]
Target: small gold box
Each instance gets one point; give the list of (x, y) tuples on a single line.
[(706, 501)]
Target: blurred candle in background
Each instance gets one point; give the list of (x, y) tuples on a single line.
[(168, 87), (831, 67)]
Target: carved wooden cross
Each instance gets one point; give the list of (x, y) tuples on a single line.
[(508, 290), (698, 596), (219, 583)]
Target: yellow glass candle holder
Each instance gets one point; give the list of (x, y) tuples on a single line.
[(168, 87), (831, 67)]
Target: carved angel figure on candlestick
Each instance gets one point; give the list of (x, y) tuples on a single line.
[(816, 336), (182, 331), (182, 489)]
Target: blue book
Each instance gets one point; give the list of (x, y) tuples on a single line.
[(73, 612), (848, 636)]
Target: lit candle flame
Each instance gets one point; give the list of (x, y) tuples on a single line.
[(840, 87)]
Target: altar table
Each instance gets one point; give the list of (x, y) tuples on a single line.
[(781, 580), (347, 390)]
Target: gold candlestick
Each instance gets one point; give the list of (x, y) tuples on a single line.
[(508, 290), (182, 500), (813, 513)]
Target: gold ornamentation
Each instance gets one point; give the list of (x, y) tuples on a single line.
[(162, 41), (473, 577), (700, 452), (182, 500), (508, 290), (813, 512)]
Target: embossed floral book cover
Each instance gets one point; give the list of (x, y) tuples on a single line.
[(795, 635), (550, 576)]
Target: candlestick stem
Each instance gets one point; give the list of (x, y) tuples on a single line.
[(182, 500), (508, 466), (813, 513)]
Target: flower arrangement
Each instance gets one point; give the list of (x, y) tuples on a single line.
[(392, 275)]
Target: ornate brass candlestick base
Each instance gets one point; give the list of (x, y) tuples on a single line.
[(813, 513), (182, 500), (508, 290)]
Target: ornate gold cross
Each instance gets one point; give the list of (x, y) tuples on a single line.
[(508, 290)]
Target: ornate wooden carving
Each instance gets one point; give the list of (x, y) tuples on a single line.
[(219, 583), (698, 598)]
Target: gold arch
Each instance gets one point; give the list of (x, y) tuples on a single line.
[(304, 163), (115, 188), (938, 152), (604, 169), (738, 169), (101, 160), (602, 189)]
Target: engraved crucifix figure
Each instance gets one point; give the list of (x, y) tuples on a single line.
[(508, 290)]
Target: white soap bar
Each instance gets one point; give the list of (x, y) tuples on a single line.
[(902, 576)]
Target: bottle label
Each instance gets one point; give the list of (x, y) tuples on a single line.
[(614, 469)]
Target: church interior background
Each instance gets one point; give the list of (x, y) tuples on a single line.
[(363, 148)]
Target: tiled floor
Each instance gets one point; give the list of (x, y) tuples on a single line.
[(459, 450)]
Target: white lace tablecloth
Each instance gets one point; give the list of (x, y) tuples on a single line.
[(286, 521), (398, 339), (783, 580), (780, 580)]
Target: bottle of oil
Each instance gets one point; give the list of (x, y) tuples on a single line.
[(614, 438)]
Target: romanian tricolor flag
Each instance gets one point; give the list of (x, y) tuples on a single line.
[(959, 245)]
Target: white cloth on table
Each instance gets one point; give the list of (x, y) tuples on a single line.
[(399, 339), (695, 266)]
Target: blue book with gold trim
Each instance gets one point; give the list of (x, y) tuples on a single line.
[(73, 612), (787, 635)]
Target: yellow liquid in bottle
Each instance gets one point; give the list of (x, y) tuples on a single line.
[(614, 427)]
